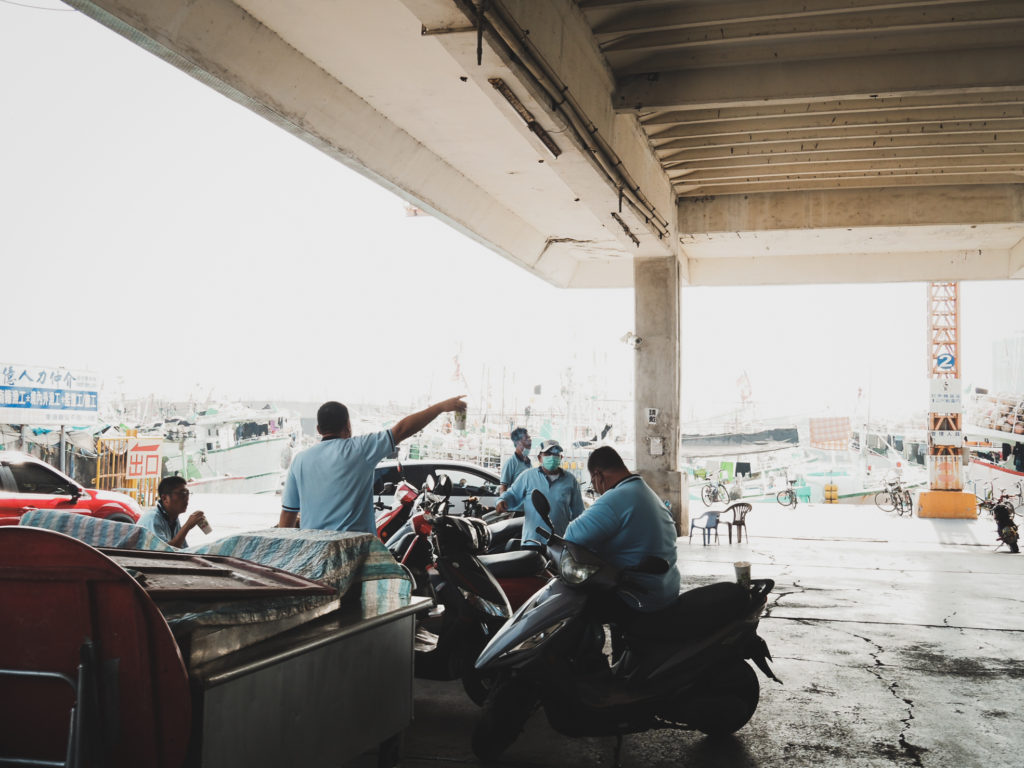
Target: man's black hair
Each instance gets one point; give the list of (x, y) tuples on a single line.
[(331, 418), (169, 484), (605, 458), (518, 434)]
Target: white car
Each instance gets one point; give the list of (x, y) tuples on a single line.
[(467, 480)]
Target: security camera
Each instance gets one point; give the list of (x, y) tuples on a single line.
[(631, 339)]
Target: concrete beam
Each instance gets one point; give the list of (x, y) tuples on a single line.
[(808, 15), (850, 268), (958, 104), (823, 80), (920, 206), (552, 45)]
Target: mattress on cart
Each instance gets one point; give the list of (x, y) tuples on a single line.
[(212, 628)]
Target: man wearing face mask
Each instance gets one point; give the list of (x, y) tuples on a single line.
[(559, 487), (518, 462), (626, 524)]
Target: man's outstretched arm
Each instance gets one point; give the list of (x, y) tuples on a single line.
[(414, 422)]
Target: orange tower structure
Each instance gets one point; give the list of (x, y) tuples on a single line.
[(945, 419)]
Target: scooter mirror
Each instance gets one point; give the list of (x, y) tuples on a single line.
[(540, 503), (388, 489), (430, 482), (443, 487)]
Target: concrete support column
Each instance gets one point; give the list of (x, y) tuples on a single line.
[(656, 380)]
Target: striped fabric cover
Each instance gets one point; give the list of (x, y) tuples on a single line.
[(95, 532), (339, 559)]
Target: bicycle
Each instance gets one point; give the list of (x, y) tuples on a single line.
[(988, 488), (1018, 497), (895, 498), (713, 490), (787, 496)]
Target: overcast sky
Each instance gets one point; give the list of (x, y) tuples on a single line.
[(177, 244)]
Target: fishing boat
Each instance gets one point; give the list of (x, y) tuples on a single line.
[(232, 448), (994, 433)]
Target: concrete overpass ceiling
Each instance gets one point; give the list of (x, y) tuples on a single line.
[(819, 104), (756, 141)]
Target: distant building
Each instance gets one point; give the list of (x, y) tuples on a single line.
[(1008, 364)]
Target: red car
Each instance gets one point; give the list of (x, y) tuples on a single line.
[(28, 483)]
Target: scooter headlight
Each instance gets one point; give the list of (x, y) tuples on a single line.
[(484, 605), (536, 639), (574, 572)]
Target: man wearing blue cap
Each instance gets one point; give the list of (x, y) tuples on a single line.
[(559, 487), (518, 462)]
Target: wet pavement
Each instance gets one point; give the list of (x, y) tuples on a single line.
[(899, 641)]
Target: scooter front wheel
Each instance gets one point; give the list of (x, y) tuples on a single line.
[(505, 712), (476, 684)]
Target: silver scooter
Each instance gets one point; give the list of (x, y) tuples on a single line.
[(684, 666)]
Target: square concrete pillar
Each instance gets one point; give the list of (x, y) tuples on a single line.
[(656, 380)]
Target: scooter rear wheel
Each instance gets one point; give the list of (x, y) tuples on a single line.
[(731, 699), (504, 714)]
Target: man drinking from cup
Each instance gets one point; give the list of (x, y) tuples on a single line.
[(162, 520)]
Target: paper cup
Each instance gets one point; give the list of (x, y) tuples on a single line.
[(742, 573), (205, 527)]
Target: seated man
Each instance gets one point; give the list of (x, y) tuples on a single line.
[(626, 524), (162, 520)]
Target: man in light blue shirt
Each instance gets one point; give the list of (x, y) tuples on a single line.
[(172, 503), (626, 524), (560, 488), (331, 483), (518, 462)]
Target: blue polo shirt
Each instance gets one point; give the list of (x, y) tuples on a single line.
[(562, 492), (159, 524), (625, 525), (331, 483), (514, 467)]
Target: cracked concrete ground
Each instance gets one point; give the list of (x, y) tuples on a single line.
[(899, 642)]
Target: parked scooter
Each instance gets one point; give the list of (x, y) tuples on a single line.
[(683, 667), (1006, 528), (441, 551), (519, 572), (390, 519)]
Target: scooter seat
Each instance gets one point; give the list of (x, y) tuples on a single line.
[(505, 531), (695, 613), (505, 565)]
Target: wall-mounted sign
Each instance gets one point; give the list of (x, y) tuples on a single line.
[(944, 396), (41, 395), (945, 362), (143, 461)]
